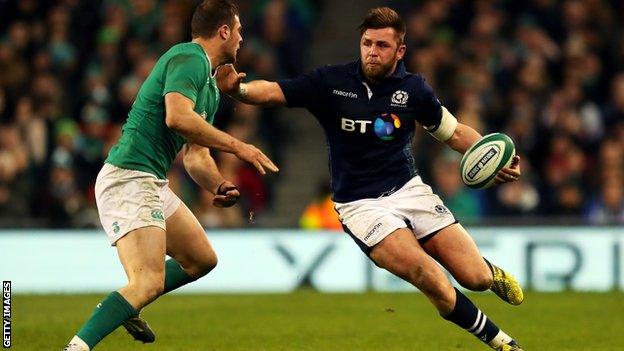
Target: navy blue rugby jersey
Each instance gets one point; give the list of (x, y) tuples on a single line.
[(369, 127)]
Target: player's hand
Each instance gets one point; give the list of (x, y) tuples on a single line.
[(257, 158), (226, 194), (228, 80), (509, 174)]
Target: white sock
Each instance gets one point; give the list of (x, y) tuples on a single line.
[(500, 339), (78, 341)]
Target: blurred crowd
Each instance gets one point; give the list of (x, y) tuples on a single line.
[(70, 71), (548, 73)]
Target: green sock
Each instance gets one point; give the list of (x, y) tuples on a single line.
[(108, 315), (175, 276)]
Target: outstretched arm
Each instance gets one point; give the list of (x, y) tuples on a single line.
[(181, 118), (257, 92), (457, 136), (202, 168), (463, 137), (460, 137)]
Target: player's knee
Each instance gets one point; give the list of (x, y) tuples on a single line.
[(413, 273), (417, 275), (207, 264), (200, 266), (479, 281), (150, 286)]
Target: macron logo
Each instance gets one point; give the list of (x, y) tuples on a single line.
[(345, 94), (372, 231)]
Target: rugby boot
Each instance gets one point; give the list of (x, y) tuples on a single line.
[(510, 346), (505, 285), (138, 328)]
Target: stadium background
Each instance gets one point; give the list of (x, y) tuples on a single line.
[(548, 73)]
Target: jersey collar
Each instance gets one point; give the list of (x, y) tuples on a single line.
[(212, 73)]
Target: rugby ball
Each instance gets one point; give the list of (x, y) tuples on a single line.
[(485, 158)]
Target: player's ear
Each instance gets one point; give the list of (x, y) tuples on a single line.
[(225, 32), (401, 51)]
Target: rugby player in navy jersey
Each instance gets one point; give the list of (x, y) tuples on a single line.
[(369, 110)]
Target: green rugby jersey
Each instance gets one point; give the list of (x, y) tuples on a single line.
[(146, 143)]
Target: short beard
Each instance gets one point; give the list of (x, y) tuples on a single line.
[(378, 72), (229, 59)]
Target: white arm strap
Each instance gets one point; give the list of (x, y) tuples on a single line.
[(444, 131)]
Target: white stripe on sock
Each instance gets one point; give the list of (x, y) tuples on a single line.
[(481, 326), (476, 323)]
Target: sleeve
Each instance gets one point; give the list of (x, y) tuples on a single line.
[(185, 74), (429, 109), (305, 90)]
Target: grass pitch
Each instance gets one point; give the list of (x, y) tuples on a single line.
[(312, 321)]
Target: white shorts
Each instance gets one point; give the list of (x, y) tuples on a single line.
[(414, 206), (128, 199)]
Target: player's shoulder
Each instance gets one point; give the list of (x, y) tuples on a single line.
[(187, 48), (332, 75), (186, 53), (417, 85), (415, 80)]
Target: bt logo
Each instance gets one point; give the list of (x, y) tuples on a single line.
[(349, 125), (383, 127)]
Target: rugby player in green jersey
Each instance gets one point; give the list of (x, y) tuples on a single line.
[(142, 217)]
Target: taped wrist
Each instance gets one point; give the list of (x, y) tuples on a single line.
[(445, 129)]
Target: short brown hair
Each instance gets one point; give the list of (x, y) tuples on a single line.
[(210, 15), (384, 17)]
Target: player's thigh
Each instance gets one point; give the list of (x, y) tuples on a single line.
[(457, 252), (128, 199), (401, 254), (368, 221), (187, 242), (423, 209), (142, 252)]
